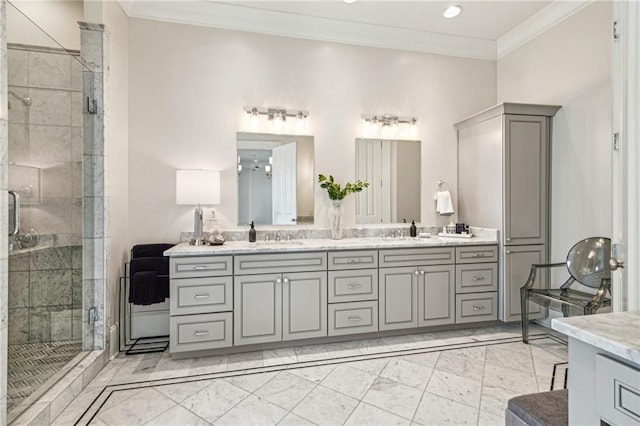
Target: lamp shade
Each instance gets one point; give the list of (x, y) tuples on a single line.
[(197, 187)]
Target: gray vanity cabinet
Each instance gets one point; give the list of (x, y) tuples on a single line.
[(279, 297), (503, 183), (422, 293), (517, 264)]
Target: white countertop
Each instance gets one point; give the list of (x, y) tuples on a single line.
[(243, 247), (617, 333)]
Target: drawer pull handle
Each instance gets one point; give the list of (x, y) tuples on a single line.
[(480, 278), (201, 333), (201, 296), (353, 261), (354, 318), (352, 285), (200, 267), (478, 308), (477, 255)]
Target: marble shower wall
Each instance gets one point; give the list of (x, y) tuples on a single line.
[(45, 167), (46, 137)]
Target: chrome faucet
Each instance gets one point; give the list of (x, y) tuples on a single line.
[(278, 238), (288, 237)]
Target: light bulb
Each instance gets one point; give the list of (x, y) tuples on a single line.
[(452, 11)]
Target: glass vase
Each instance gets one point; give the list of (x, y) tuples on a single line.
[(336, 219)]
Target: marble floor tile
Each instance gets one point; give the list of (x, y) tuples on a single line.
[(460, 366), (181, 391), (344, 349), (349, 381), (407, 373), (436, 410), (214, 400), (250, 382), (252, 411), (372, 366), (208, 364), (117, 397), (279, 356), (293, 420), (504, 378), (494, 400), (285, 389), (455, 388), (399, 343), (138, 409), (177, 415), (427, 359), (488, 419), (394, 397), (315, 407), (244, 361), (366, 415), (314, 374), (311, 353)]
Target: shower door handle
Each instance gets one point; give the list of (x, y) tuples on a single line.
[(16, 212)]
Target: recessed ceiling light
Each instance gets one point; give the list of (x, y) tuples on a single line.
[(349, 1), (452, 11)]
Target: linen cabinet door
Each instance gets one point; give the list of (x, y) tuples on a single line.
[(436, 295), (257, 309), (517, 264), (304, 305), (398, 298)]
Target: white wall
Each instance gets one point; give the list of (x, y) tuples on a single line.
[(57, 19), (188, 86), (570, 65)]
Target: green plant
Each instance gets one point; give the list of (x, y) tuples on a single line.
[(337, 192)]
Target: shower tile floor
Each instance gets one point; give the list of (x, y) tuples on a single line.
[(30, 365), (452, 377)]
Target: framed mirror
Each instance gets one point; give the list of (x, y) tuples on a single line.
[(275, 179), (392, 168)]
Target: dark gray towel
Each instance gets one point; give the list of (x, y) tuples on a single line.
[(147, 288)]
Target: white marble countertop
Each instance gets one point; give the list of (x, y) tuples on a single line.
[(244, 247), (617, 333)]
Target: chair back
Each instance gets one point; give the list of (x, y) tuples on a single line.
[(588, 261)]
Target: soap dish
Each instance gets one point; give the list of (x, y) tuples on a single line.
[(450, 235)]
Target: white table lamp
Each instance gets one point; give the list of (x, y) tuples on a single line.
[(197, 187)]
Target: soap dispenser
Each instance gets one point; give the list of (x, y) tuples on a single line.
[(413, 231), (252, 233)]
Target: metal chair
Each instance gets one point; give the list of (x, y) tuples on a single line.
[(587, 264)]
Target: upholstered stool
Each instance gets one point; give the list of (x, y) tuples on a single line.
[(540, 409)]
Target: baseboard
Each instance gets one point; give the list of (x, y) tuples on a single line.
[(114, 339)]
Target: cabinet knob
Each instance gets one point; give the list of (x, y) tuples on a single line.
[(421, 272), (416, 272), (508, 251), (279, 281), (286, 280), (508, 239)]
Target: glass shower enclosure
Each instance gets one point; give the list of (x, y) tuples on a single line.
[(45, 137)]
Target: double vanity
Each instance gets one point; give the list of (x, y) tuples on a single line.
[(240, 294)]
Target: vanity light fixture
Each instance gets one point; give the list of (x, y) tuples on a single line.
[(452, 11), (276, 120), (389, 126)]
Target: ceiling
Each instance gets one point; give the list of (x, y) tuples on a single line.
[(486, 29)]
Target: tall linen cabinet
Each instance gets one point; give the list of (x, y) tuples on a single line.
[(504, 183)]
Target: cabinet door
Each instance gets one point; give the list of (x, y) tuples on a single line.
[(517, 264), (398, 298), (526, 168), (257, 309), (304, 305), (436, 295)]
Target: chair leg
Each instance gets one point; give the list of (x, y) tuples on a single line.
[(524, 312), (565, 311)]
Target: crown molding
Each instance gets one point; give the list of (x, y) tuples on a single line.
[(237, 17), (542, 21)]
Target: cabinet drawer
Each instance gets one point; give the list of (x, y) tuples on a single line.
[(353, 286), (416, 257), (473, 278), (201, 295), (476, 307), (280, 263), (353, 259), (617, 391), (476, 254), (200, 332), (200, 266), (353, 317)]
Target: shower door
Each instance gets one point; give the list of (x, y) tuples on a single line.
[(45, 146)]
